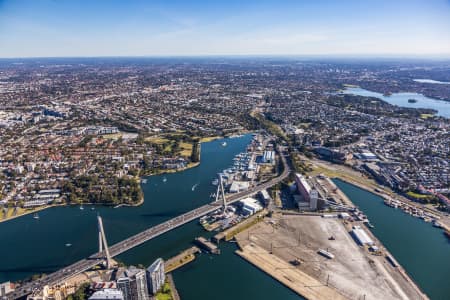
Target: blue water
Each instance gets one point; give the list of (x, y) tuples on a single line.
[(30, 246), (401, 99), (421, 249)]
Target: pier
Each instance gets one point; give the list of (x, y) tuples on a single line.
[(207, 245), (140, 238), (181, 259)]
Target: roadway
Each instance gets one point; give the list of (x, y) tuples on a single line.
[(140, 238)]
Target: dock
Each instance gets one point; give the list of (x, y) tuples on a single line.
[(229, 233), (296, 280), (181, 259), (207, 245)]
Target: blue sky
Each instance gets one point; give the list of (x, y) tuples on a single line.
[(36, 28)]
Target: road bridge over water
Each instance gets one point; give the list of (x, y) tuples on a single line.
[(140, 238)]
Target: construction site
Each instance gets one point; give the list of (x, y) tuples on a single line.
[(319, 257)]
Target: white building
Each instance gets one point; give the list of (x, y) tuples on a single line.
[(361, 236), (250, 205), (155, 276), (107, 294), (5, 288)]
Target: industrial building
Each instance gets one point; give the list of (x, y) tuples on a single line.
[(361, 236), (107, 294), (155, 276), (250, 206), (308, 194)]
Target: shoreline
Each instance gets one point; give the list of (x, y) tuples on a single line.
[(140, 202), (275, 267)]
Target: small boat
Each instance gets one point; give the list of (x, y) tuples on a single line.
[(144, 181), (81, 207), (194, 186), (164, 179), (92, 208), (68, 244), (215, 182), (437, 224), (35, 216), (412, 100), (224, 144)]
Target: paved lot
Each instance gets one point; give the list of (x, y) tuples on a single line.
[(354, 272)]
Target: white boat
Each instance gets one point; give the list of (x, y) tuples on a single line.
[(35, 216), (215, 182), (224, 144), (144, 181), (164, 179), (81, 207), (437, 224), (68, 244), (194, 186)]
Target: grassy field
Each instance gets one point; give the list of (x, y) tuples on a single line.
[(209, 139), (165, 293), (348, 175), (186, 149), (113, 136), (426, 116)]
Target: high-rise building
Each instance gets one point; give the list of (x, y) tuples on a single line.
[(133, 284), (155, 276)]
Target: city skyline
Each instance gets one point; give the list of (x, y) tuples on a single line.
[(263, 28)]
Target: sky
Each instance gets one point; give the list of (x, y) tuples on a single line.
[(58, 28)]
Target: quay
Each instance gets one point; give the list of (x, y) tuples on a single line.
[(140, 238), (296, 280), (181, 259), (207, 245)]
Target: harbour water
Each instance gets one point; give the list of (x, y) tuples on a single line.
[(431, 81), (401, 99), (421, 249), (30, 246)]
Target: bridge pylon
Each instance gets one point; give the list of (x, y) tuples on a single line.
[(102, 242), (220, 193)]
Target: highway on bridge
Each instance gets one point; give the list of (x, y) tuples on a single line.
[(139, 238)]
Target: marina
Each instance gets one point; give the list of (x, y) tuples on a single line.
[(122, 222)]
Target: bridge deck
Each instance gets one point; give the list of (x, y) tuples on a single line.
[(139, 238)]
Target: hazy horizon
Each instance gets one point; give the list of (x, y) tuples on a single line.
[(350, 28)]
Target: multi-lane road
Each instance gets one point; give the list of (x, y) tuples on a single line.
[(142, 237)]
